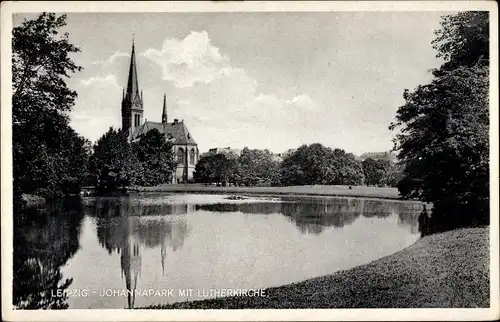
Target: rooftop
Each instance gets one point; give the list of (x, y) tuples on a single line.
[(176, 131)]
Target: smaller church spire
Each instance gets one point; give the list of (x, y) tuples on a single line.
[(164, 114)]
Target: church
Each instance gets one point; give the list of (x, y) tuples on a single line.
[(184, 146)]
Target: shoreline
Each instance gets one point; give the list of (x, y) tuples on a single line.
[(444, 270), (292, 191)]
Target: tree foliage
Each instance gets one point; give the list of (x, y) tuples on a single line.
[(49, 158), (316, 164), (444, 126), (463, 40), (112, 162), (154, 159), (203, 169), (258, 168), (217, 168), (116, 163), (378, 172)]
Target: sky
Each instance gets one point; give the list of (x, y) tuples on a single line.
[(266, 80)]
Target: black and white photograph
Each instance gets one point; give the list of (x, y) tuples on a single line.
[(255, 161)]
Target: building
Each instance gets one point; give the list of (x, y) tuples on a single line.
[(225, 151), (184, 146), (277, 157), (387, 155)]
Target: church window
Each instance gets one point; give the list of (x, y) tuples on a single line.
[(180, 156), (191, 156)]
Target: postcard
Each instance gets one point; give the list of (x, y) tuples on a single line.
[(249, 161)]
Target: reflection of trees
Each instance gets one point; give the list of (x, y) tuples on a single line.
[(44, 241), (123, 225), (315, 215), (408, 216), (310, 215), (377, 208), (109, 207)]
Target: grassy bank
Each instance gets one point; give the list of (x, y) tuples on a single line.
[(450, 269), (355, 191)]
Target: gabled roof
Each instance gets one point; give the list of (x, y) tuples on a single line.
[(177, 132)]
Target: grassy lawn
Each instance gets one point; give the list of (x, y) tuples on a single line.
[(356, 191), (444, 270)]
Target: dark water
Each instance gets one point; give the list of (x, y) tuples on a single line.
[(87, 253)]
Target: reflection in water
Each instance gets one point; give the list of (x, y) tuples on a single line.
[(314, 215), (125, 226), (142, 233), (44, 240)]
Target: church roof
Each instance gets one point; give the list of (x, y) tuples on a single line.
[(175, 131)]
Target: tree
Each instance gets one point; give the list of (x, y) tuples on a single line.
[(40, 64), (203, 170), (395, 175), (344, 169), (48, 156), (463, 40), (257, 168), (444, 128), (219, 168), (376, 171), (316, 164), (113, 163), (154, 153)]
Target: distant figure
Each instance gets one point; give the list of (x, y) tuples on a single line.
[(350, 188)]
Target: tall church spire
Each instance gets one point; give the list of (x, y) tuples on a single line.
[(132, 102), (132, 84), (164, 114)]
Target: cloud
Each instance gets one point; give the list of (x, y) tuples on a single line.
[(225, 101), (111, 59), (302, 100), (109, 80), (210, 94), (190, 60)]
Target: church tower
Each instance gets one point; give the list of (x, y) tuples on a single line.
[(132, 100)]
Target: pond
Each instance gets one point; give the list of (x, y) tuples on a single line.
[(135, 251)]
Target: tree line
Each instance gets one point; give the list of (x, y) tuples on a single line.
[(312, 164)]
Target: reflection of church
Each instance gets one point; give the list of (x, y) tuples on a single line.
[(184, 145), (129, 228), (130, 262)]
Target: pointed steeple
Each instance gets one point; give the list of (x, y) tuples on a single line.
[(132, 84), (164, 114), (132, 103)]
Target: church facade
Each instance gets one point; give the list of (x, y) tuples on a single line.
[(185, 147)]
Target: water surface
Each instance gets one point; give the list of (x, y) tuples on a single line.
[(173, 242)]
